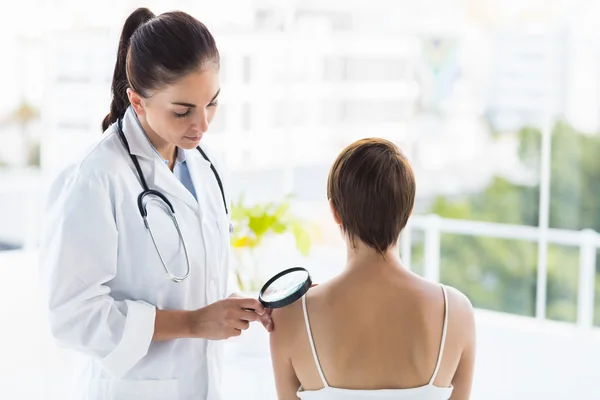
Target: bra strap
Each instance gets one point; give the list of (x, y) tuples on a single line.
[(312, 343), (444, 331)]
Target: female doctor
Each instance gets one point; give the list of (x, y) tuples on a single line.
[(138, 281)]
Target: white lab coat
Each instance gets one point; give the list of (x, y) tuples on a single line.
[(103, 280)]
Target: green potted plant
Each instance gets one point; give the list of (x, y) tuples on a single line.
[(253, 224)]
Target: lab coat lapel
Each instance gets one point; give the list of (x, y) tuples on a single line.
[(201, 174), (157, 173), (166, 181)]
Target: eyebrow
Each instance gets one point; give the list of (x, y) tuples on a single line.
[(193, 105)]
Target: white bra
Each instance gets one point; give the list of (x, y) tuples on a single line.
[(425, 392)]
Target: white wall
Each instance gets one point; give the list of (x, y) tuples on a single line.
[(22, 201), (518, 357), (522, 358)]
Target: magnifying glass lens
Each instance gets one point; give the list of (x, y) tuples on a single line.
[(284, 286)]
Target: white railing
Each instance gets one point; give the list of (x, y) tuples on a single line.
[(588, 241)]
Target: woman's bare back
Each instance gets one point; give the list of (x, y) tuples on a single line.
[(379, 328)]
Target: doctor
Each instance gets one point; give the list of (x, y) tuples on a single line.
[(135, 251)]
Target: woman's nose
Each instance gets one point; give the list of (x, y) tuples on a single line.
[(201, 123)]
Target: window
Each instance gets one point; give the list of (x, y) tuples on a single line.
[(246, 116), (247, 69), (368, 111), (354, 69), (289, 113), (218, 124)]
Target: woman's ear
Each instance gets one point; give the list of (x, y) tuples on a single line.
[(336, 216), (136, 102)]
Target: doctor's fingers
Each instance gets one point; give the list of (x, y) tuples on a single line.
[(250, 304), (246, 315), (267, 322), (234, 332), (239, 324)]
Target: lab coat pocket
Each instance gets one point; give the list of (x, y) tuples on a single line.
[(111, 389)]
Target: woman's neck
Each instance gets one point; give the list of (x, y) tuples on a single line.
[(360, 255), (166, 150)]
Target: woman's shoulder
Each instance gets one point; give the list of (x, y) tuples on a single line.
[(100, 158), (96, 166), (286, 320), (461, 315), (460, 309), (289, 321), (429, 295), (105, 151), (458, 302), (431, 291)]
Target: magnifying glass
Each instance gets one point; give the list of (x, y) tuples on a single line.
[(285, 288)]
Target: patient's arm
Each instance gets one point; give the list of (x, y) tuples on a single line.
[(286, 382), (464, 317)]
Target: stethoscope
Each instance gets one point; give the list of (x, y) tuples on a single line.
[(141, 202)]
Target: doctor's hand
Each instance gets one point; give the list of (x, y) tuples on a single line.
[(225, 318), (264, 319)]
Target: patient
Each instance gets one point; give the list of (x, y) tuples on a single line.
[(377, 330)]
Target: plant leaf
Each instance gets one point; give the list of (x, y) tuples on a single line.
[(244, 241), (303, 241), (282, 210), (280, 227)]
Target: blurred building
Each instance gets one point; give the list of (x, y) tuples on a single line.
[(542, 72), (301, 79), (528, 78), (297, 86)]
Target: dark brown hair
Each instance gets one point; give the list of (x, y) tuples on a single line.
[(156, 51), (372, 187)]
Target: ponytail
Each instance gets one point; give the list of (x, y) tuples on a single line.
[(120, 102), (157, 53)]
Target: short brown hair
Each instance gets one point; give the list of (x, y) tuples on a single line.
[(372, 187)]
